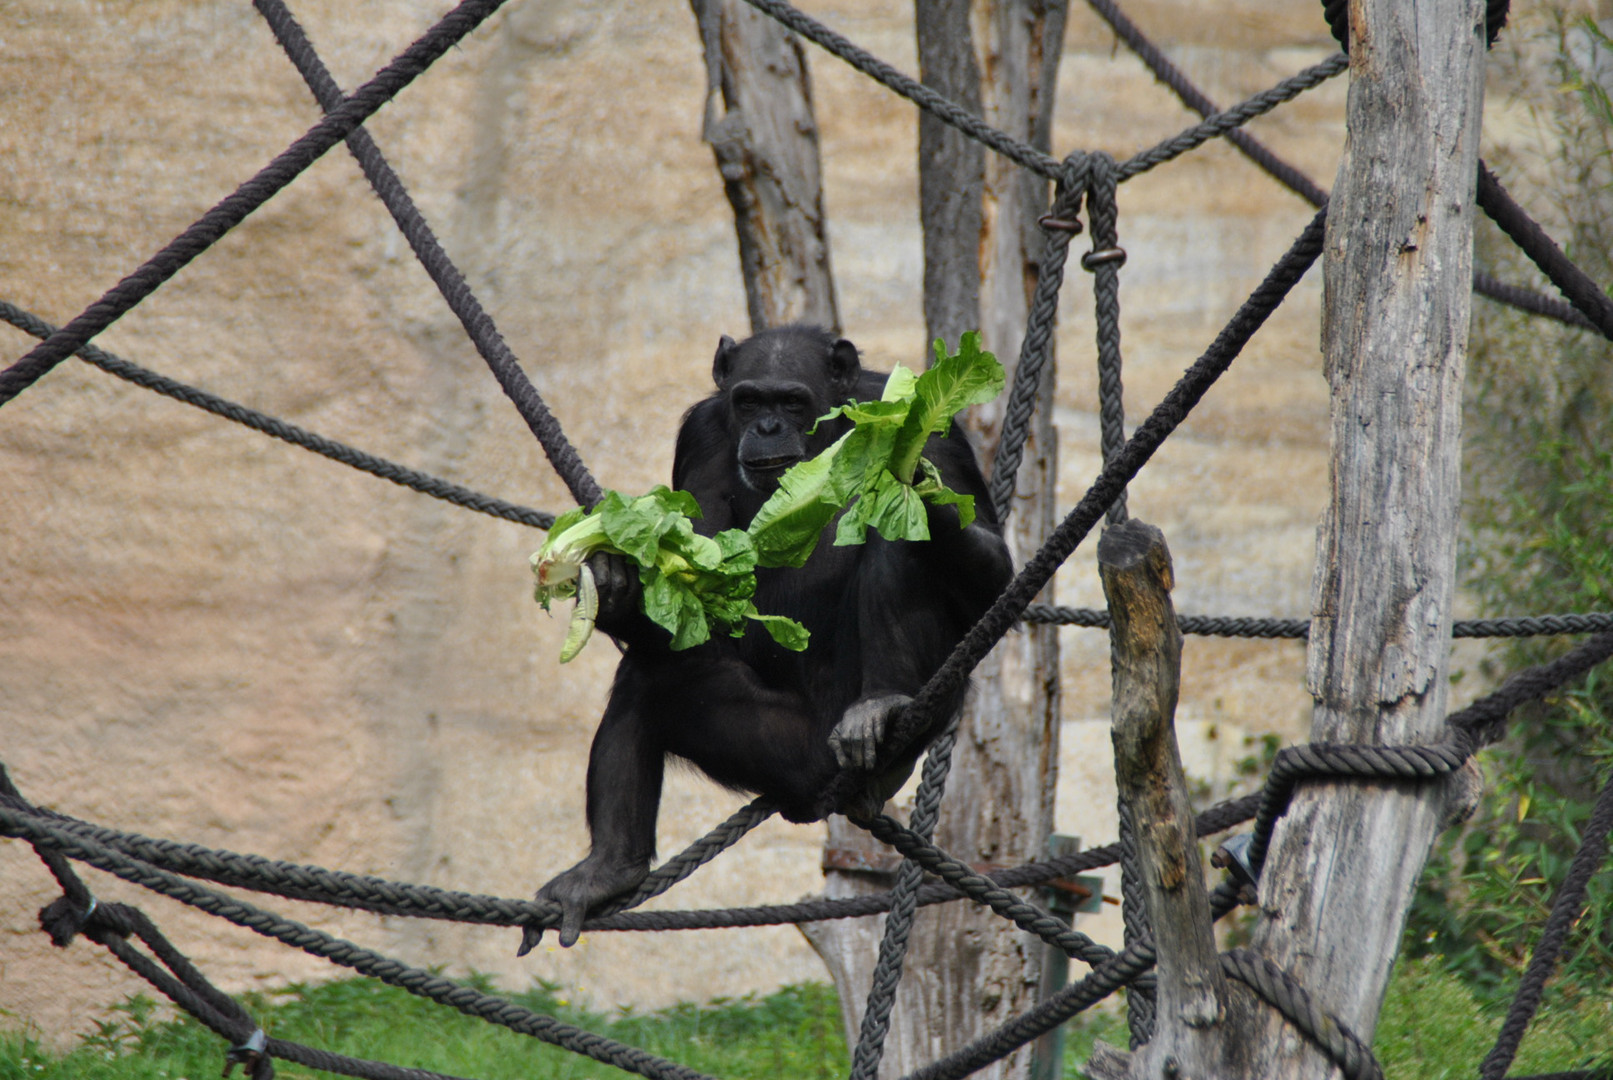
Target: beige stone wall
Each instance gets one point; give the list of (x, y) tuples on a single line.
[(210, 636)]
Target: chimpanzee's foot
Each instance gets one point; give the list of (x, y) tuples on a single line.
[(586, 885), (856, 742)]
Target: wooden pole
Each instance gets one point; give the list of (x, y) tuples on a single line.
[(760, 124), (1398, 265), (1145, 648), (965, 974)]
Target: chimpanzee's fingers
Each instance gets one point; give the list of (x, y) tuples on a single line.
[(531, 938), (867, 745), (571, 916)]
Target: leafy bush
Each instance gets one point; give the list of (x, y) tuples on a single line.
[(1540, 480)]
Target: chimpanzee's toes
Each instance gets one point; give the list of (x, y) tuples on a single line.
[(586, 885)]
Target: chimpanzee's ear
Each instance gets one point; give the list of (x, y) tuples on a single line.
[(844, 368), (720, 366)]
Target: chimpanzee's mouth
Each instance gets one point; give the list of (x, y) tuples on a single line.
[(762, 474)]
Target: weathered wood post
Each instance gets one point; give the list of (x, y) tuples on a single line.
[(760, 124), (1145, 650), (1398, 266), (964, 973)]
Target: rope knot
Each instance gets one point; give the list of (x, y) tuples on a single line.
[(65, 918)]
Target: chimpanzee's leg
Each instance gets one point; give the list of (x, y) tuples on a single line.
[(625, 767)]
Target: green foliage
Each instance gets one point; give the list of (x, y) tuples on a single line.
[(876, 473), (1540, 482), (794, 1032), (1433, 1027), (873, 477), (692, 583)]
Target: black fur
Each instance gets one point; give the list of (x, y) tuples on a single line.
[(749, 713)]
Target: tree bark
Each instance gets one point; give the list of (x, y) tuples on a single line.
[(760, 124), (1146, 662), (1346, 857), (965, 972)]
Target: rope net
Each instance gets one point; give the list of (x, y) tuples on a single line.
[(928, 874)]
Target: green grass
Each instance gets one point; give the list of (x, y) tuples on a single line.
[(1433, 1028), (794, 1032)]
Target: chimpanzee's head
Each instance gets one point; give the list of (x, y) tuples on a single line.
[(776, 384)]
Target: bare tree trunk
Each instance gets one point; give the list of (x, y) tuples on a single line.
[(1345, 859), (761, 128), (966, 973)]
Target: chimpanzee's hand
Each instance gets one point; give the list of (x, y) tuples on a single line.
[(621, 596), (856, 742), (589, 883)]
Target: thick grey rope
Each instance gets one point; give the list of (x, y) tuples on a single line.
[(887, 975), (1594, 622), (424, 901), (401, 475), (1277, 988), (1061, 226), (983, 890), (1168, 73), (423, 983), (1233, 118), (1565, 911), (1104, 262), (1141, 1004), (949, 112), (479, 326), (387, 897), (235, 207)]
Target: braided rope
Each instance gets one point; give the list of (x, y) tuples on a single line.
[(364, 961), (1575, 284), (1296, 181), (237, 1030), (1277, 988), (235, 207), (1594, 622), (983, 890), (479, 326), (1141, 1005), (950, 112), (1037, 344), (1148, 437), (1172, 76), (1127, 965), (1565, 911), (401, 475), (1233, 118), (1106, 311), (887, 974), (382, 896)]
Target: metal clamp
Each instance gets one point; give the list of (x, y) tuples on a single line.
[(1102, 256), (1053, 223), (247, 1054)]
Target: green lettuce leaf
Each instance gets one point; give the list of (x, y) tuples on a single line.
[(876, 473)]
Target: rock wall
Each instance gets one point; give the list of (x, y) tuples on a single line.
[(211, 636)]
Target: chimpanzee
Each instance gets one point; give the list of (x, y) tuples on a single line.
[(752, 715)]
